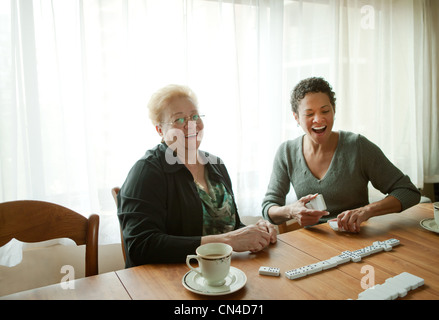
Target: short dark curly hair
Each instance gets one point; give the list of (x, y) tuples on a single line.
[(308, 85)]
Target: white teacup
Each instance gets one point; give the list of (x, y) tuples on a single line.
[(436, 212), (214, 262)]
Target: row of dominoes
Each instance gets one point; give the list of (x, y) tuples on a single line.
[(345, 256), (392, 288)]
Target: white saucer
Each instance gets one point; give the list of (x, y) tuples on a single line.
[(430, 225), (235, 280)]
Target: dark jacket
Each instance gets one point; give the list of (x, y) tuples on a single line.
[(159, 209)]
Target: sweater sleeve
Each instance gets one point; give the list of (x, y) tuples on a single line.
[(142, 214), (279, 184), (385, 176)]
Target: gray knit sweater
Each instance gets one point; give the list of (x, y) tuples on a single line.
[(356, 161)]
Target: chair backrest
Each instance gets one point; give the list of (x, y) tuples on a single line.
[(115, 192), (35, 221), (288, 226)]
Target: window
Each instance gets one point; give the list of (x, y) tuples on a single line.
[(75, 78)]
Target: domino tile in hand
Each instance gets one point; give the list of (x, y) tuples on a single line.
[(334, 226), (318, 203)]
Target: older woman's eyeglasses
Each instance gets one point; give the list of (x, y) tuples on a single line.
[(180, 122)]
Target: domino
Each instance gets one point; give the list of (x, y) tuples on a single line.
[(380, 246), (268, 271), (318, 203), (304, 271), (339, 260), (366, 295), (374, 248), (334, 225), (333, 262), (396, 287), (352, 256), (362, 252), (355, 258), (392, 242), (314, 268), (410, 280), (392, 288), (385, 245), (390, 293), (296, 273), (344, 257), (376, 293), (328, 264)]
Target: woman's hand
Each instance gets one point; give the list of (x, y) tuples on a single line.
[(264, 225), (350, 220), (252, 238), (298, 211), (303, 215)]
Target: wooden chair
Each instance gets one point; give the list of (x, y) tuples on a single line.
[(288, 226), (35, 221), (115, 192)]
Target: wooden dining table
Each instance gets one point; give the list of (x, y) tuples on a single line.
[(417, 253), (105, 286)]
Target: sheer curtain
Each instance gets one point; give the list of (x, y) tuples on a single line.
[(76, 75), (427, 84)]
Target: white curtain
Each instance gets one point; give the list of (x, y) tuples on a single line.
[(75, 77), (427, 85)]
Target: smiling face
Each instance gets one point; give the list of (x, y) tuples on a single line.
[(316, 116), (183, 136)]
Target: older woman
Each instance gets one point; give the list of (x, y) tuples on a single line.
[(338, 165), (177, 197)]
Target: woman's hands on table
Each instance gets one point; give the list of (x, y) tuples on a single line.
[(350, 220), (251, 238), (297, 210)]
